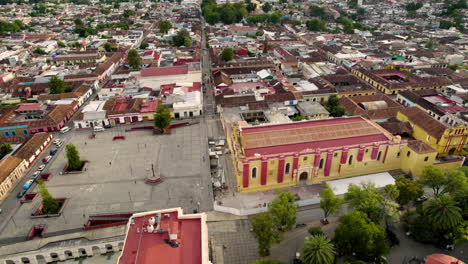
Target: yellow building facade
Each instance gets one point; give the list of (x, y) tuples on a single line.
[(446, 140), (275, 156)]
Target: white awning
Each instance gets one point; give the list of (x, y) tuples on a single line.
[(379, 180)]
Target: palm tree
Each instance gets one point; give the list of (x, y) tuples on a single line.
[(443, 212), (318, 250)]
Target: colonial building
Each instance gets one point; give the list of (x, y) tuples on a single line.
[(392, 81), (446, 140), (281, 155), (11, 171)]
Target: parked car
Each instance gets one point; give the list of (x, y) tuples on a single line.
[(421, 199), (21, 193), (59, 144), (56, 141), (98, 129), (64, 130), (53, 151), (46, 159), (41, 168), (36, 175), (28, 184)]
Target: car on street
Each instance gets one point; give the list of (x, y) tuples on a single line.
[(36, 175), (53, 151), (59, 144), (21, 193), (56, 141), (46, 159), (41, 168), (28, 184), (421, 199)]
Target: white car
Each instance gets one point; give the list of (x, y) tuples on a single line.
[(56, 141), (41, 168), (36, 173), (59, 144)]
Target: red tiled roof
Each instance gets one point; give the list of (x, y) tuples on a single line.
[(29, 107), (442, 259), (163, 71), (144, 247), (291, 137)]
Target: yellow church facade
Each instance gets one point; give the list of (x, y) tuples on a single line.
[(282, 155)]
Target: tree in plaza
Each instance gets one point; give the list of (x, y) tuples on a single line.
[(57, 86), (134, 59), (227, 54), (268, 261), (409, 190), (389, 204), (108, 47), (367, 199), (164, 26), (432, 177), (283, 211), (329, 202), (455, 181), (318, 250), (162, 117), (265, 232), (49, 204), (73, 157), (443, 212), (266, 7), (359, 236), (315, 230), (333, 107)]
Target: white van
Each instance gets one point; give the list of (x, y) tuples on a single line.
[(98, 129), (64, 130)]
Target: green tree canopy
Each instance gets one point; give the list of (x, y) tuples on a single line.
[(73, 157), (266, 7), (366, 198), (144, 45), (318, 250), (57, 86), (227, 54), (5, 148), (39, 51), (181, 38), (49, 204), (357, 234), (108, 47), (162, 117), (283, 210), (61, 44), (440, 181), (329, 202), (134, 59), (316, 25), (333, 107), (164, 26), (265, 232), (443, 212), (78, 22), (409, 190)]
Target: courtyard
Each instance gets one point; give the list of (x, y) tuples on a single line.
[(114, 180)]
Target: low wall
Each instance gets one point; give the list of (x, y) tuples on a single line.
[(451, 164), (252, 211)]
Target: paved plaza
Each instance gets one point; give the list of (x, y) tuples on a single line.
[(114, 180)]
